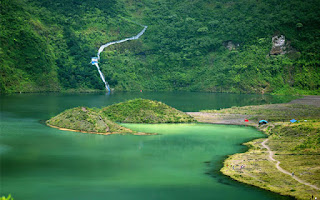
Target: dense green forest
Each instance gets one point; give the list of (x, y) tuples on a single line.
[(46, 45)]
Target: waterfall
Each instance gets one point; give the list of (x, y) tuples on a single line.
[(94, 60)]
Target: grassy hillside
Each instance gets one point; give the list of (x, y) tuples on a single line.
[(46, 45), (145, 111)]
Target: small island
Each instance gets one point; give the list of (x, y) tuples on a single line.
[(103, 121)]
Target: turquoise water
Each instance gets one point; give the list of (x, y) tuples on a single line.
[(182, 162)]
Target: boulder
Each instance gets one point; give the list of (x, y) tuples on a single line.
[(230, 45), (278, 45)]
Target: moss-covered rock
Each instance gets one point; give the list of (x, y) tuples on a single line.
[(144, 111)]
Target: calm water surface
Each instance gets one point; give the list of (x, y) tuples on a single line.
[(182, 162)]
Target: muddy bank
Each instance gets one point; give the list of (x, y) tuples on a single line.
[(217, 118), (307, 100)]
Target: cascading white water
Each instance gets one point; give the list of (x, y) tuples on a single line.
[(95, 60)]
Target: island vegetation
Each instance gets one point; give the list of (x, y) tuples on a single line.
[(103, 121), (295, 145), (86, 120), (145, 111)]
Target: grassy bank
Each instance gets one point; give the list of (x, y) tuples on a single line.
[(295, 145)]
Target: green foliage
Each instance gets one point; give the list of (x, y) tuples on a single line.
[(46, 45), (304, 136), (144, 111), (27, 62), (6, 198)]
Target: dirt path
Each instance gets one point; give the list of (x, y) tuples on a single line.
[(281, 169)]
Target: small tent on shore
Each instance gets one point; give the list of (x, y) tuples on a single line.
[(261, 122), (293, 121)]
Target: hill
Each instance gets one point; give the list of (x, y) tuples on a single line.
[(103, 120), (213, 46), (85, 120), (145, 111)]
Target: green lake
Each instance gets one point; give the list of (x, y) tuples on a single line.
[(181, 162)]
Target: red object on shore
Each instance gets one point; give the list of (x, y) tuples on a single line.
[(246, 120)]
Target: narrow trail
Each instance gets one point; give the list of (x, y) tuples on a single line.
[(94, 60), (281, 169)]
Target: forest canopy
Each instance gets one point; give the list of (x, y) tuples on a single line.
[(212, 46)]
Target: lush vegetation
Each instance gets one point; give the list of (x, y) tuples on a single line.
[(6, 198), (46, 45), (145, 111), (103, 120)]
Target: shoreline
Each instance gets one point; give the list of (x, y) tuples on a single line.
[(253, 167), (225, 119), (110, 133), (66, 129)]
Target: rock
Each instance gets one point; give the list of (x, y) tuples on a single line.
[(230, 45), (281, 46), (278, 45)]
